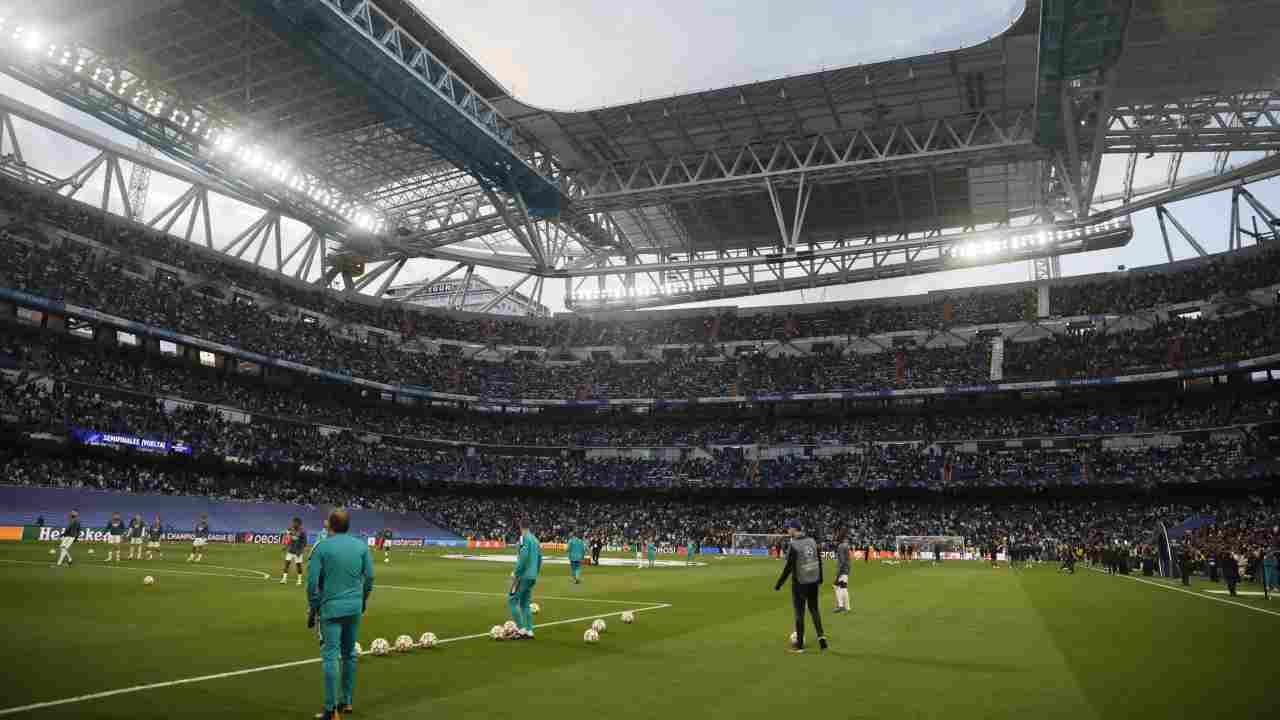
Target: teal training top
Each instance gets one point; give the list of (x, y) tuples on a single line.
[(653, 549), (529, 557), (339, 576), (577, 549)]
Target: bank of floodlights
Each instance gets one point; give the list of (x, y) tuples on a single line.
[(1031, 240), (218, 142)]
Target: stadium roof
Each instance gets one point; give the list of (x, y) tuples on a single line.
[(389, 138)]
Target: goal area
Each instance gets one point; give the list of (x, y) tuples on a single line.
[(756, 543), (924, 547)]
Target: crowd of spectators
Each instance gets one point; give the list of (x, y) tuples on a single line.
[(83, 387), (67, 274), (1240, 525), (104, 474), (265, 442), (71, 361)]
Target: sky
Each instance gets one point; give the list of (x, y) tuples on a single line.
[(579, 54)]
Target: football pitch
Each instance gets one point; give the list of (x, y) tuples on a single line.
[(961, 641)]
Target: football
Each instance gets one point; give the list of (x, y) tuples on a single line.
[(90, 551), (404, 643), (148, 580), (599, 626), (591, 635), (52, 551), (428, 640), (380, 646), (628, 617), (535, 607), (359, 650), (386, 560), (496, 633)]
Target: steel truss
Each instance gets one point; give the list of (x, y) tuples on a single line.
[(985, 137), (311, 26), (1213, 123), (266, 243), (719, 275), (331, 183)]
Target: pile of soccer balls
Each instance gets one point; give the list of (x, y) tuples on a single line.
[(506, 631), (403, 644)]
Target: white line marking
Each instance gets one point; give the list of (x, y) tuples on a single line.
[(277, 666), (167, 571), (539, 597), (1193, 593)]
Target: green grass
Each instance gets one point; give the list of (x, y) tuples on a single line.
[(957, 641)]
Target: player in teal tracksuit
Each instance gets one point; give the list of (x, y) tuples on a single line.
[(577, 551), (528, 565), (653, 553), (689, 549), (339, 580)]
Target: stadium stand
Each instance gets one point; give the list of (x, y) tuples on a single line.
[(261, 442)]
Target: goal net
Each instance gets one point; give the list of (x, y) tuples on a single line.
[(924, 547), (756, 543)]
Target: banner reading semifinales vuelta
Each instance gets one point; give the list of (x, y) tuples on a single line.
[(103, 439)]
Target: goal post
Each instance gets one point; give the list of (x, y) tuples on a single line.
[(756, 543), (923, 547)]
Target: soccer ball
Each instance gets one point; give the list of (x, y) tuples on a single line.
[(386, 560), (591, 636), (599, 626), (380, 646), (148, 580), (52, 551), (793, 637), (428, 640), (404, 643), (509, 628), (359, 650), (535, 608), (497, 633), (628, 617), (90, 551)]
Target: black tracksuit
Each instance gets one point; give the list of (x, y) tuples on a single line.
[(803, 593)]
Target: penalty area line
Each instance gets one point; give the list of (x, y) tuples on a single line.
[(1193, 593), (279, 666)]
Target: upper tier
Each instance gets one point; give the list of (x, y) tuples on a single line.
[(194, 267)]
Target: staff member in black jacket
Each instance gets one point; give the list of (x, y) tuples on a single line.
[(804, 565), (1230, 570)]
